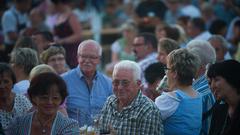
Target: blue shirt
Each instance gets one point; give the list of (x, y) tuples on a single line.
[(201, 85), (186, 120), (10, 21), (82, 102)]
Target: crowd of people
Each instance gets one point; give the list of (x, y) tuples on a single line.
[(174, 69)]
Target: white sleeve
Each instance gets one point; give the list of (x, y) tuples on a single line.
[(115, 47), (167, 104), (9, 22)]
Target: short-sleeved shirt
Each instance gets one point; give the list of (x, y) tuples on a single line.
[(13, 21), (141, 117), (84, 102), (21, 106), (182, 114), (21, 87), (118, 47)]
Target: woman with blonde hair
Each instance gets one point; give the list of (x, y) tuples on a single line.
[(181, 108)]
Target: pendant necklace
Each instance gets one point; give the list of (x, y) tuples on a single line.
[(43, 125)]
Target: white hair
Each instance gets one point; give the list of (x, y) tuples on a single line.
[(131, 65), (93, 42), (204, 50)]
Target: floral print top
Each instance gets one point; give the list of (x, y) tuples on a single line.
[(21, 106)]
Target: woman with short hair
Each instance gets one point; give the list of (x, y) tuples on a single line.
[(181, 108), (47, 92)]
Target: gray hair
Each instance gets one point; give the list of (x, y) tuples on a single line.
[(221, 39), (131, 65), (93, 42), (185, 64), (204, 50), (25, 57)]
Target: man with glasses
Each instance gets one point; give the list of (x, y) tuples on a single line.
[(88, 88), (145, 50), (128, 112)]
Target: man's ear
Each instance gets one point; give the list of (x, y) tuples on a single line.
[(139, 83)]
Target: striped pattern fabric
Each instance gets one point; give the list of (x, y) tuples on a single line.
[(62, 125), (141, 117), (201, 85)]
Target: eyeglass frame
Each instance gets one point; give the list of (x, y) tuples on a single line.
[(89, 57), (124, 83), (46, 98)]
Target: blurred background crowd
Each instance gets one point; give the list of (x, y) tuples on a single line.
[(170, 44), (115, 23)]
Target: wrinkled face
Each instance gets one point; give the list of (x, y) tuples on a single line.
[(48, 104), (220, 51), (6, 85), (88, 58), (58, 63), (139, 48), (124, 87), (162, 55), (220, 88)]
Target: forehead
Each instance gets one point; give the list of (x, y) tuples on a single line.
[(138, 40), (90, 47), (57, 55), (123, 74)]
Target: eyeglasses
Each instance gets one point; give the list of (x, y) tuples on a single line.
[(91, 57), (124, 83)]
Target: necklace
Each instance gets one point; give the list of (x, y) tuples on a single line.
[(43, 125)]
